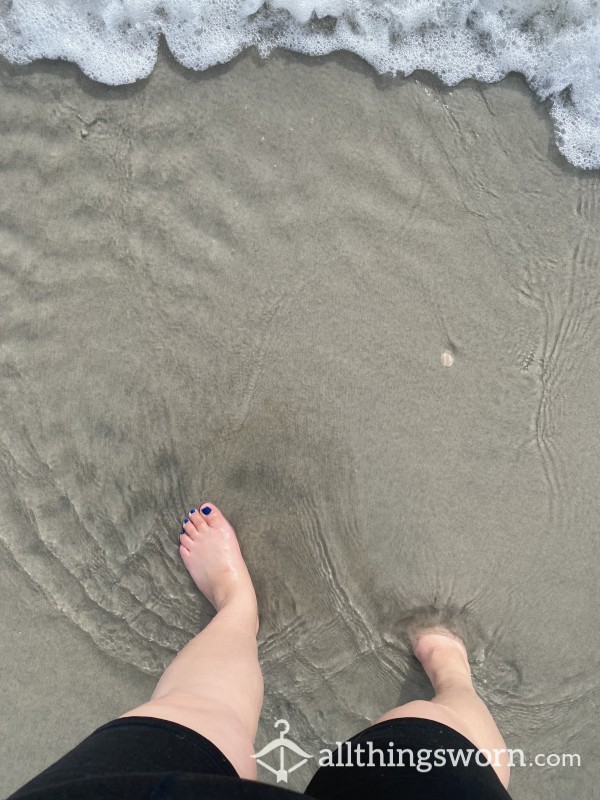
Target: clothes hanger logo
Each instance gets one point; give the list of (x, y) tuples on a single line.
[(282, 744)]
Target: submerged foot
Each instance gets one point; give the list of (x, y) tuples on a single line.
[(442, 654), (211, 552)]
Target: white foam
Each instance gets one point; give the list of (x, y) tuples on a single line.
[(555, 45)]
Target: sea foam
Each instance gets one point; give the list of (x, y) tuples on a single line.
[(555, 45)]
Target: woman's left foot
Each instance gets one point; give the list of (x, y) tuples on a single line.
[(211, 552)]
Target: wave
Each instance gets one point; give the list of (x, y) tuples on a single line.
[(554, 45)]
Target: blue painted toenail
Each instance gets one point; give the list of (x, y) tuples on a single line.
[(193, 511), (206, 510), (181, 532), (185, 521)]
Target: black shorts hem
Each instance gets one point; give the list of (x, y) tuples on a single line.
[(146, 757), (130, 745), (346, 779)]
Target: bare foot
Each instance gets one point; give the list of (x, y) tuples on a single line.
[(441, 652), (211, 552)]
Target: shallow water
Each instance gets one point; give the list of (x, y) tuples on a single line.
[(217, 291), (554, 45)]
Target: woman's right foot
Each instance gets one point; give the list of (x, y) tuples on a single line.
[(211, 552), (442, 654)]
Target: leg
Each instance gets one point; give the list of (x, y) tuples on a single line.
[(456, 703), (215, 685)]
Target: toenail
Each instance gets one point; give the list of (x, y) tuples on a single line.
[(185, 521), (193, 511), (206, 510), (181, 532)]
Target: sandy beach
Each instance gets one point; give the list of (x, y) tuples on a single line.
[(358, 313)]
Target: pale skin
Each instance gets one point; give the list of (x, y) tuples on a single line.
[(215, 685)]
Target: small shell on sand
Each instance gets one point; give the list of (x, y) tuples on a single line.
[(447, 359)]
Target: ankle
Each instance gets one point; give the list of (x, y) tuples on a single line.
[(241, 613), (450, 680)]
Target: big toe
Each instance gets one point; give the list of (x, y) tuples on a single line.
[(212, 516), (438, 640)]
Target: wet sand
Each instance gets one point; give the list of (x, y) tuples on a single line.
[(358, 313)]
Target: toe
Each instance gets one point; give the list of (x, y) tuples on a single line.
[(212, 515), (198, 519), (190, 528)]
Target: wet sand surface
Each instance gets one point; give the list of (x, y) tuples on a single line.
[(358, 313)]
